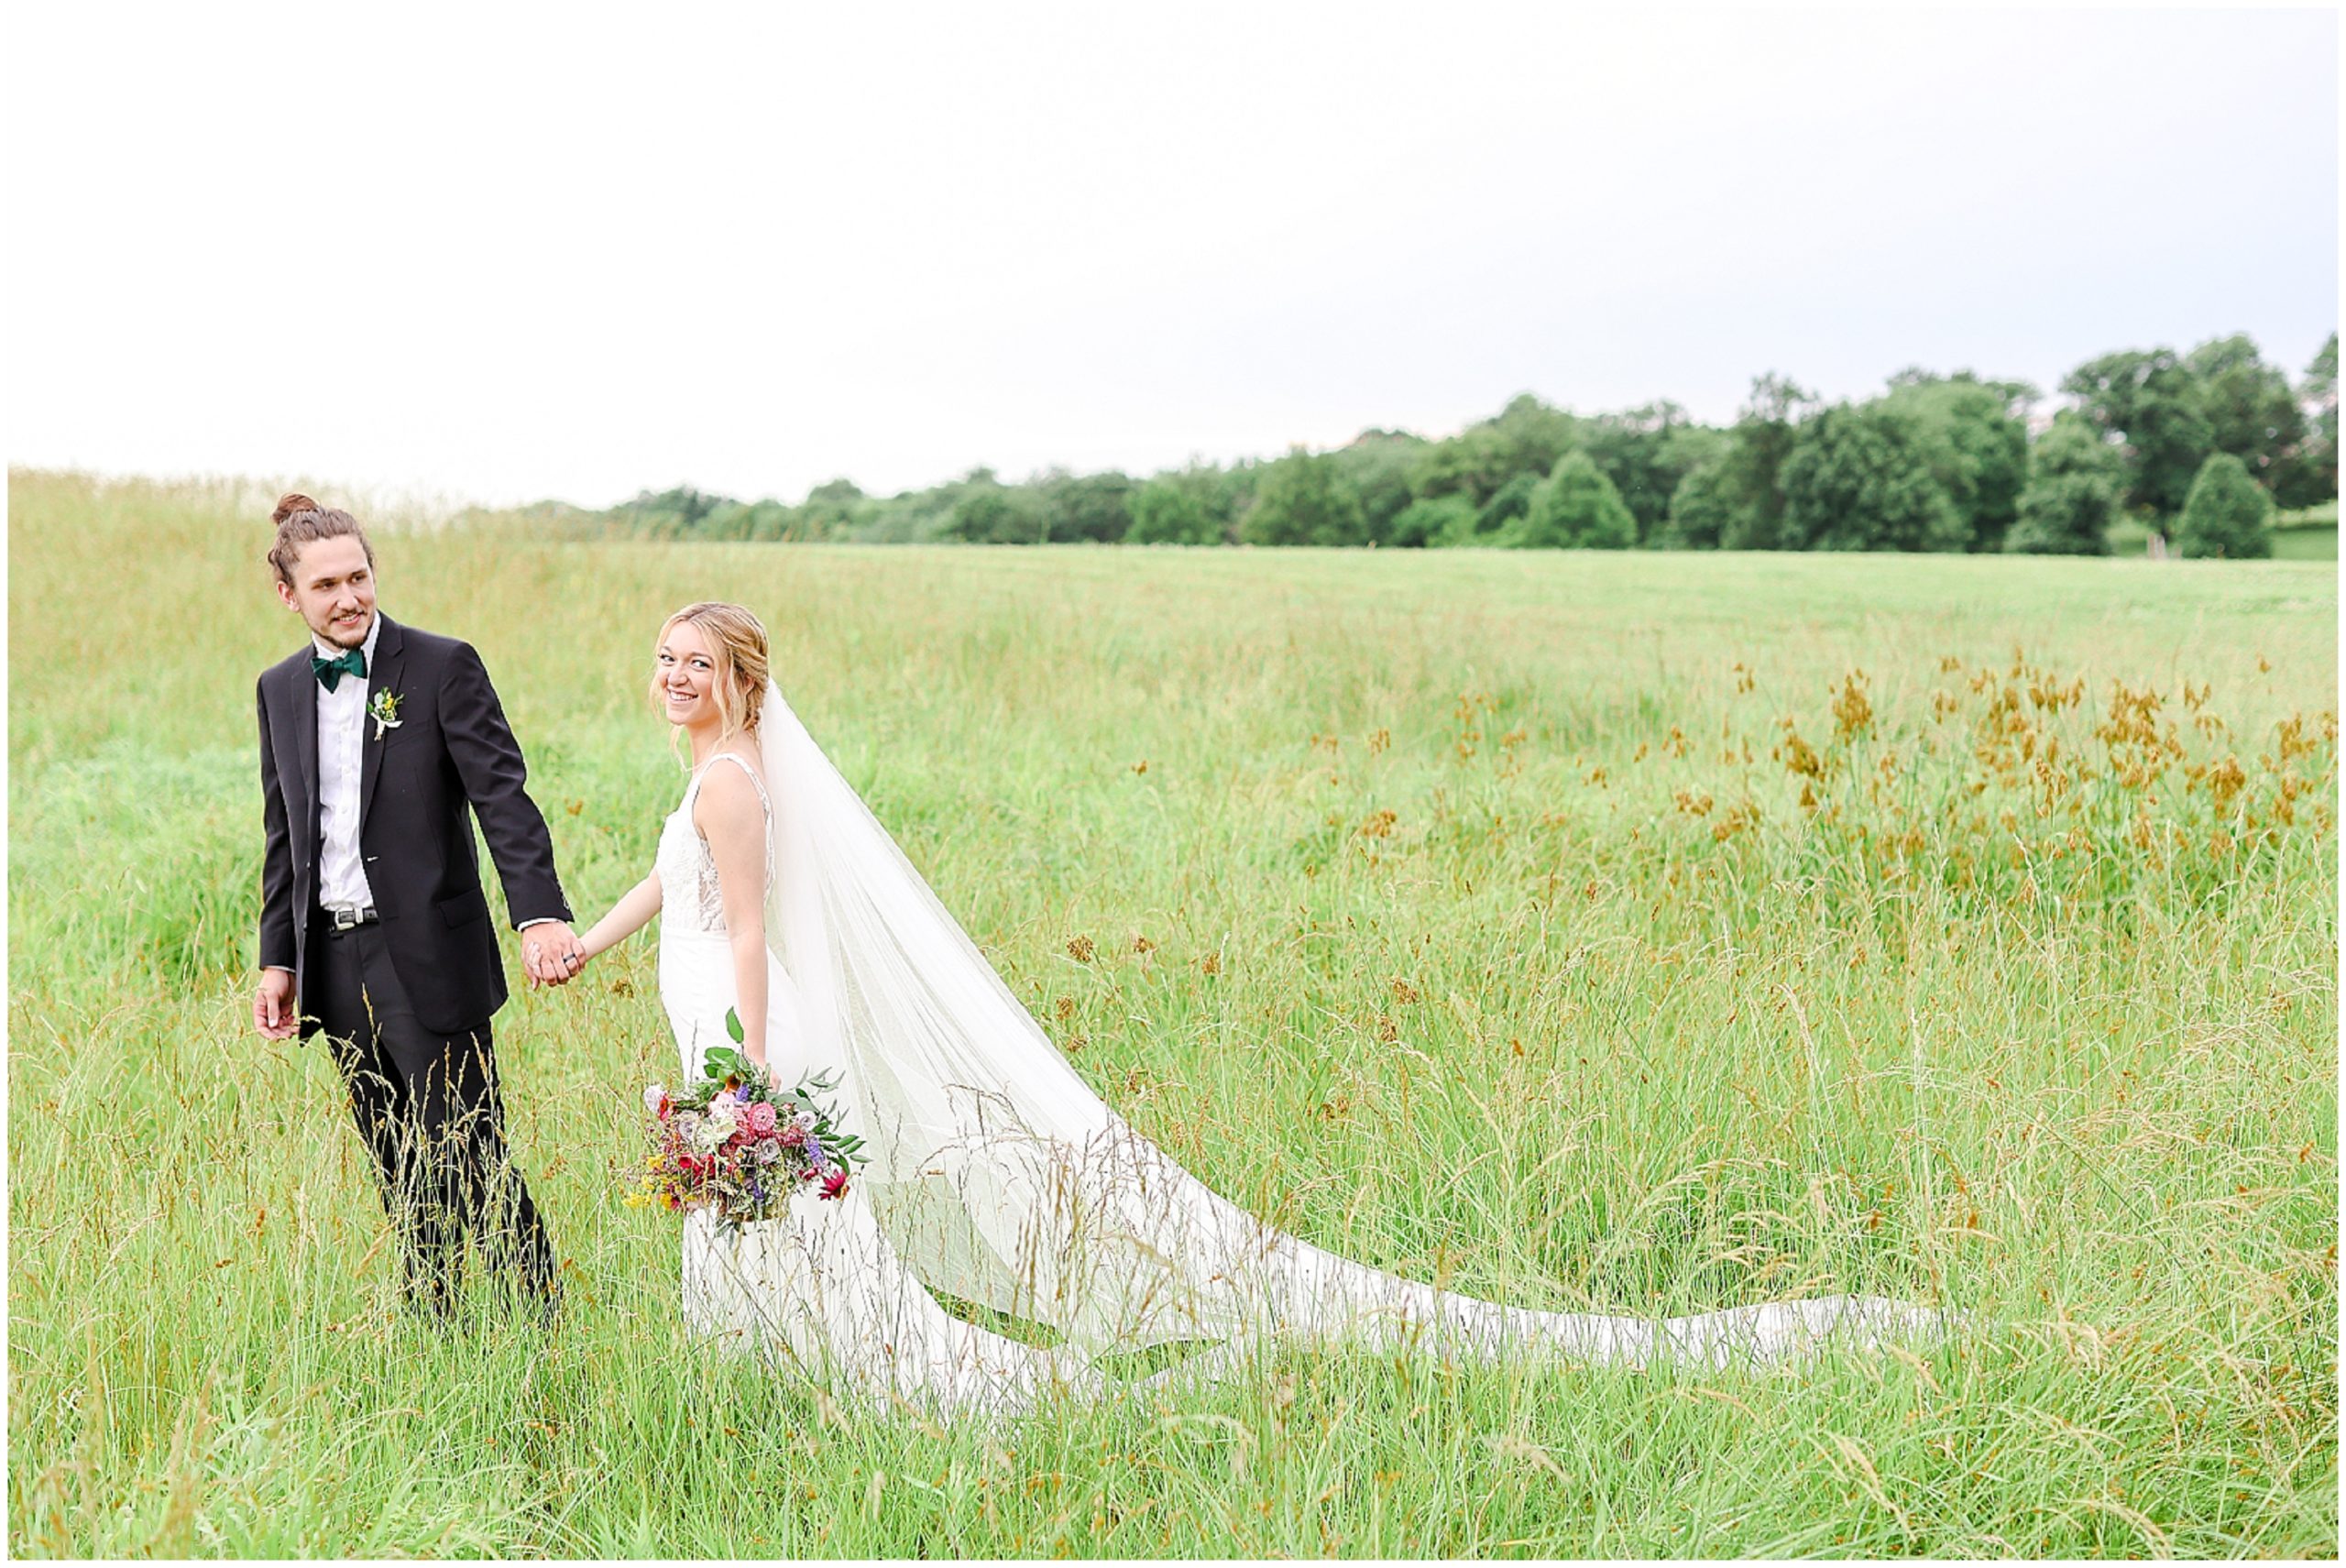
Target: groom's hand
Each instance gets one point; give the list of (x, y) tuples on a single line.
[(273, 1005), (552, 952)]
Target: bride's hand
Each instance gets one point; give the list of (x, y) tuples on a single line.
[(627, 916)]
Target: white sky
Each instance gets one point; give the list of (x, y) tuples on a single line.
[(508, 253)]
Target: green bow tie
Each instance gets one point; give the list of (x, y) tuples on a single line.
[(330, 671)]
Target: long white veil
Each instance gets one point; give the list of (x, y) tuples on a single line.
[(999, 1177)]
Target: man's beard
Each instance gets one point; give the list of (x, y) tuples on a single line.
[(354, 639)]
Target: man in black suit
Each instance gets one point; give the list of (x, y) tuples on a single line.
[(378, 743)]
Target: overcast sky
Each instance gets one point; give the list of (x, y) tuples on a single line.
[(487, 252)]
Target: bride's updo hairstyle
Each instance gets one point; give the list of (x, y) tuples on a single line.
[(738, 641)]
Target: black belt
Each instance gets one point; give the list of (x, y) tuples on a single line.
[(348, 919)]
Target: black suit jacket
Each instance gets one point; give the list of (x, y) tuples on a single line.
[(451, 757)]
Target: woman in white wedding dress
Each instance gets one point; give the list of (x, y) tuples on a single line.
[(822, 1281), (995, 1174)]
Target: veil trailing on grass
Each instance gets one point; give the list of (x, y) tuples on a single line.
[(1000, 1177)]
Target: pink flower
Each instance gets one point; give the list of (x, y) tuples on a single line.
[(835, 1184), (794, 1137), (655, 1101), (760, 1120)]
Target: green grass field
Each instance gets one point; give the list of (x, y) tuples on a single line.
[(2306, 544), (2308, 535), (1630, 932)]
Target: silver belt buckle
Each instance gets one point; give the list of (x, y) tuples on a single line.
[(351, 919)]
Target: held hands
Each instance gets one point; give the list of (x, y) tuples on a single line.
[(554, 955)]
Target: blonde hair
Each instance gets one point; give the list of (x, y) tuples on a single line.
[(738, 642)]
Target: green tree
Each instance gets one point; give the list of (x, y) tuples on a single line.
[(2151, 402), (989, 512), (2309, 475), (679, 513), (919, 517), (1183, 507), (1510, 501), (1575, 508), (833, 510), (1859, 478), (1766, 430), (2227, 513), (1526, 436), (1437, 522), (1303, 500), (1703, 508), (727, 519), (1237, 486), (1646, 452), (1379, 466), (771, 521), (2072, 492), (1463, 531), (2251, 409), (1087, 507), (1975, 436)]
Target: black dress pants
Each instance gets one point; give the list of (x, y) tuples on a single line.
[(427, 1108)]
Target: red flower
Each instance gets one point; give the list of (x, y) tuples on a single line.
[(835, 1184)]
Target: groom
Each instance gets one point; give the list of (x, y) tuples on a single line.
[(379, 744)]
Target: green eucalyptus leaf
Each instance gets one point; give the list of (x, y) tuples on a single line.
[(733, 1026)]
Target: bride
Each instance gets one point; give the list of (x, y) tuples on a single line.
[(995, 1175)]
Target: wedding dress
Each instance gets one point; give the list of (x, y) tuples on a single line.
[(821, 1280), (998, 1177)]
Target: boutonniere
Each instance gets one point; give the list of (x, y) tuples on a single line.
[(385, 710)]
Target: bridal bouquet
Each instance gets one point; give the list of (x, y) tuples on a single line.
[(736, 1144)]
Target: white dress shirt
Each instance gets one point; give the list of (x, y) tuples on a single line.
[(342, 754)]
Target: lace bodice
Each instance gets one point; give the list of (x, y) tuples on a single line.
[(690, 901)]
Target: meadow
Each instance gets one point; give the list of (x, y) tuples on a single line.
[(1624, 932)]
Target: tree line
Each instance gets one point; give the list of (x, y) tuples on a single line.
[(2201, 448)]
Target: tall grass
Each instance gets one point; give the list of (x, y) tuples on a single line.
[(1625, 932)]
